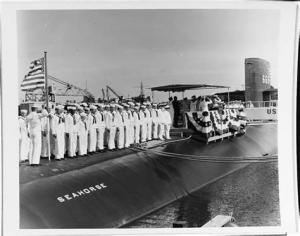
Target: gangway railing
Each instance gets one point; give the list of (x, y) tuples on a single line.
[(252, 104)]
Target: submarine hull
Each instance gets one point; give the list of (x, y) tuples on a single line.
[(113, 193)]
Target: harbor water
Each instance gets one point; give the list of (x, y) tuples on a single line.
[(250, 194)]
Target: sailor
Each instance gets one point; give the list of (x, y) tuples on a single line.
[(204, 102), (51, 112), (143, 123), (58, 132), (106, 133), (111, 127), (24, 140), (149, 121), (193, 104), (71, 131), (77, 117), (130, 110), (155, 119), (101, 127), (161, 122), (45, 139), (35, 130), (82, 135), (92, 133), (126, 114), (119, 127), (167, 121), (137, 124), (206, 125)]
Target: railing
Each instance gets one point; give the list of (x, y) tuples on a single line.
[(252, 104)]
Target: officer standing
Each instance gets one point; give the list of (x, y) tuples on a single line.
[(111, 127), (35, 130), (143, 122), (24, 140), (149, 121), (137, 124), (101, 127), (58, 133), (155, 119)]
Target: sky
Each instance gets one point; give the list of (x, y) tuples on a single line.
[(122, 48)]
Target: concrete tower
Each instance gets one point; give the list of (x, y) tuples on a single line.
[(257, 78)]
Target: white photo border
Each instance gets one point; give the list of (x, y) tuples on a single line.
[(286, 118)]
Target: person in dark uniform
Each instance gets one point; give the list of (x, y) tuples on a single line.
[(176, 107)]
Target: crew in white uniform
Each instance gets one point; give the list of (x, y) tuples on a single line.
[(111, 127), (92, 126), (161, 122), (82, 135), (100, 128), (148, 113), (71, 131), (120, 127), (130, 111), (35, 131), (167, 121), (155, 120), (143, 123), (45, 126), (58, 133), (24, 140), (137, 124), (126, 114)]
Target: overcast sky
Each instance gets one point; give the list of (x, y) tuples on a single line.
[(121, 48)]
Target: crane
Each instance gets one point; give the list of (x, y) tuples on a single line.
[(113, 91)]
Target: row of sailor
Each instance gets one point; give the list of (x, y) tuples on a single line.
[(81, 129)]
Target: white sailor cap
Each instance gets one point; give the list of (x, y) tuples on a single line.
[(143, 106), (137, 107), (101, 105), (84, 104), (71, 108), (35, 106), (23, 111), (154, 104), (125, 105), (138, 104), (86, 109), (82, 114), (93, 107), (131, 103), (112, 105), (60, 107), (167, 106)]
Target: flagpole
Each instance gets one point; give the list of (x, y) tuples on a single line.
[(47, 102)]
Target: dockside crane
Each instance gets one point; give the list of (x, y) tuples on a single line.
[(114, 92)]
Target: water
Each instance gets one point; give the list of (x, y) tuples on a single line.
[(250, 194)]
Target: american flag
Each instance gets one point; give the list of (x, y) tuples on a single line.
[(35, 77)]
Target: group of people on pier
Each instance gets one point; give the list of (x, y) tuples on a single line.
[(77, 130)]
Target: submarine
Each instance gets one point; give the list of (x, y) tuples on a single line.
[(111, 190)]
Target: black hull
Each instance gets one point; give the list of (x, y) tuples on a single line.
[(136, 184)]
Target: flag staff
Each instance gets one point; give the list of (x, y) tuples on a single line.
[(46, 80), (47, 103)]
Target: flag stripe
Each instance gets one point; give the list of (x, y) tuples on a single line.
[(33, 76), (38, 80), (33, 83), (37, 68), (32, 87)]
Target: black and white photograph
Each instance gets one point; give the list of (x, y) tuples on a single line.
[(163, 118)]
